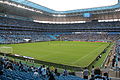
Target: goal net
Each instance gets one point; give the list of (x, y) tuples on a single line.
[(5, 49)]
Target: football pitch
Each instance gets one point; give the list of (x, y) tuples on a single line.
[(73, 53)]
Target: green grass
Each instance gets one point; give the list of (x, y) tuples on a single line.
[(101, 60), (74, 53)]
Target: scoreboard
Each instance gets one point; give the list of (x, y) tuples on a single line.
[(87, 15)]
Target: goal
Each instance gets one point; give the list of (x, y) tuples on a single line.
[(5, 49)]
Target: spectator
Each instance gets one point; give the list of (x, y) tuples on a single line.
[(9, 66), (44, 72), (106, 76), (32, 68), (113, 62), (65, 73), (85, 73), (39, 69), (97, 75), (52, 68), (29, 69), (48, 71), (1, 67), (51, 76), (92, 71), (36, 74), (56, 72), (105, 70)]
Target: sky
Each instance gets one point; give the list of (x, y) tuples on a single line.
[(65, 5)]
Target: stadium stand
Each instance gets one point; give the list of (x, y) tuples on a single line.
[(11, 70), (18, 30), (21, 26), (91, 36)]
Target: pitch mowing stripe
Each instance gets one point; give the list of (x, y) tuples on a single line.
[(78, 59), (87, 54)]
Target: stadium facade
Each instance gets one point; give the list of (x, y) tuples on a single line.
[(23, 20)]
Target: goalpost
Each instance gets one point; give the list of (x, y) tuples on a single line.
[(5, 49)]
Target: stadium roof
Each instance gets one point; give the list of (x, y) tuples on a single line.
[(65, 5), (31, 4)]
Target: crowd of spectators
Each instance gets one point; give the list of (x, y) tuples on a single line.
[(44, 72), (49, 73), (96, 74), (30, 25), (91, 37), (20, 36), (16, 30)]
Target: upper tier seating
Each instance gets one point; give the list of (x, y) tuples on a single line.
[(35, 25)]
